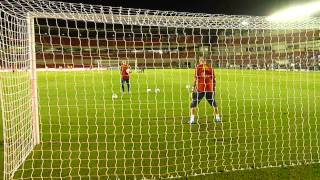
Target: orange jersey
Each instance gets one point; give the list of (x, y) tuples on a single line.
[(124, 74), (205, 78)]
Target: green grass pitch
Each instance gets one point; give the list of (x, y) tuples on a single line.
[(270, 118)]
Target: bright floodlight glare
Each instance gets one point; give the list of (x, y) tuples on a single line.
[(295, 12)]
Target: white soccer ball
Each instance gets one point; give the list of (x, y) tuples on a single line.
[(187, 86), (157, 90), (114, 96), (128, 71)]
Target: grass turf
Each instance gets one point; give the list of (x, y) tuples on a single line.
[(270, 118)]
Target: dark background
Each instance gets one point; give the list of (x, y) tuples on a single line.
[(230, 7)]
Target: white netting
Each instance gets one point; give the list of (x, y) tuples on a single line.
[(70, 117)]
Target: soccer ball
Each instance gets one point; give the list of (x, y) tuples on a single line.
[(114, 96), (157, 90), (128, 71)]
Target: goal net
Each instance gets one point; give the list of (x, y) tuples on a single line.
[(65, 114)]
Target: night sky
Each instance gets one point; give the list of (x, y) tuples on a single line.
[(231, 7)]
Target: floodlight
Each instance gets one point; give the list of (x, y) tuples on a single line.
[(295, 12)]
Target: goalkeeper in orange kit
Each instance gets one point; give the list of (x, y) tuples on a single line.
[(204, 86), (125, 77)]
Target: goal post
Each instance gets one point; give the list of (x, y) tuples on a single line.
[(66, 115), (15, 92), (33, 79)]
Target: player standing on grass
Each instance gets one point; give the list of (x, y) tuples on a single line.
[(125, 70), (204, 85)]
